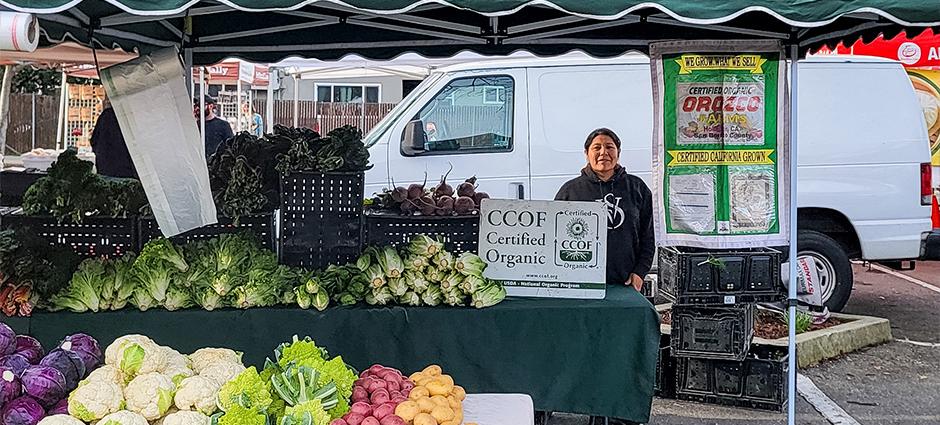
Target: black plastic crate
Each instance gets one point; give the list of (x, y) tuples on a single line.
[(665, 386), (722, 333), (260, 225), (758, 382), (93, 237), (321, 219), (709, 277), (13, 185), (459, 233)]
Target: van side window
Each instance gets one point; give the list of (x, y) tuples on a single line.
[(469, 115)]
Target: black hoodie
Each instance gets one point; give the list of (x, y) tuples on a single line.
[(630, 240)]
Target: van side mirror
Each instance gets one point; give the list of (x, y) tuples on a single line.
[(414, 137)]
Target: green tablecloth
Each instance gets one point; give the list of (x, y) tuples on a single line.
[(582, 356)]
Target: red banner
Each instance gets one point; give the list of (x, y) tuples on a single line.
[(921, 51)]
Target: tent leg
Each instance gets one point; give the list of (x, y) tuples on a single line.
[(62, 124), (269, 103), (202, 107), (188, 67), (6, 87), (297, 101), (791, 341)]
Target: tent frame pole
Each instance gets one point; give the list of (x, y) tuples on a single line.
[(791, 308), (269, 102)]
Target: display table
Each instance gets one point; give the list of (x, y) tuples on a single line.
[(580, 356), (499, 409)]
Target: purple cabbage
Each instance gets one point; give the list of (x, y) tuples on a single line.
[(67, 362), (45, 384), (60, 408), (29, 347), (22, 411), (15, 362), (86, 347), (7, 339), (10, 387)]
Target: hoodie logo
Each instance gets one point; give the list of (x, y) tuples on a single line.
[(615, 215)]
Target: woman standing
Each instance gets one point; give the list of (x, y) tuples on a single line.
[(630, 240)]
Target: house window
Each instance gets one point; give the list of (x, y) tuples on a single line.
[(348, 93), (494, 95)]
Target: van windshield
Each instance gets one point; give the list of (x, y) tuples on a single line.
[(393, 116)]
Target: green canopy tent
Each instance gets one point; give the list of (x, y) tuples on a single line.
[(270, 30)]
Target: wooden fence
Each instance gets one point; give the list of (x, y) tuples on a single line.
[(32, 123), (323, 116)]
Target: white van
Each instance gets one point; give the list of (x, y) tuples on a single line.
[(519, 127)]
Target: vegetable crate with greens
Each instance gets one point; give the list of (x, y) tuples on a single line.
[(722, 333), (758, 382), (31, 270), (458, 233), (93, 237), (709, 277), (320, 218), (260, 226), (423, 273), (440, 200)]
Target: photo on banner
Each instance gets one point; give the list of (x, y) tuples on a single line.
[(926, 84), (721, 157)]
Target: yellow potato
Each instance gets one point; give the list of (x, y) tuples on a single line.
[(414, 376), (446, 378), (433, 370), (459, 392), (470, 423), (418, 392), (453, 402), (442, 414), (458, 416), (424, 380), (440, 400), (424, 419), (439, 387), (426, 405), (407, 410)]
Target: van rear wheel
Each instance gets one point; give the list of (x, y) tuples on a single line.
[(832, 263)]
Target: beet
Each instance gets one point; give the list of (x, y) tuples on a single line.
[(466, 189), (445, 205), (415, 191), (442, 188), (399, 194), (408, 207), (472, 180), (427, 205), (464, 205), (479, 197)]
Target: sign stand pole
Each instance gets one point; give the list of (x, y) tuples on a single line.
[(791, 309)]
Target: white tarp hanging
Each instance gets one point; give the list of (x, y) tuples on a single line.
[(154, 110)]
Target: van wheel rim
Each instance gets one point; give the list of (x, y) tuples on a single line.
[(827, 273)]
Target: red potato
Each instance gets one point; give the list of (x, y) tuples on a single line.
[(361, 382), (361, 407), (376, 369), (407, 385), (360, 394), (393, 386), (380, 397), (338, 421), (353, 418), (405, 393), (393, 394), (376, 385), (365, 374), (392, 420), (383, 410), (370, 421), (399, 399)]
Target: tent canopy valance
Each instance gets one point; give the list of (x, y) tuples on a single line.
[(268, 31)]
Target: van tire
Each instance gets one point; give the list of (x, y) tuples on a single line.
[(833, 265)]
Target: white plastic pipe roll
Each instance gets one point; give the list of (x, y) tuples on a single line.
[(18, 32)]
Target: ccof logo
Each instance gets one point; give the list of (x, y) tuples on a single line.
[(909, 53), (577, 228)]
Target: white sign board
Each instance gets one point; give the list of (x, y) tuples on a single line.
[(545, 248)]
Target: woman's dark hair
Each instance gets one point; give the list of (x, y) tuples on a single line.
[(602, 132)]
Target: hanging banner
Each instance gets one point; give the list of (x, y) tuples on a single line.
[(927, 87), (721, 160)]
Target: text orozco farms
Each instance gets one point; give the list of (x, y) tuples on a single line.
[(525, 231)]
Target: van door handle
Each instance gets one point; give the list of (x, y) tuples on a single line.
[(519, 193)]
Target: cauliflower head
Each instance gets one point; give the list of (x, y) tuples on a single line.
[(96, 399), (135, 355), (223, 372), (177, 366), (205, 357), (106, 373), (150, 394), (185, 418), (197, 393), (60, 420), (123, 417)]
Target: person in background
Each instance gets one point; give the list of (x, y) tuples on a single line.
[(431, 129), (111, 155), (217, 129), (255, 123)]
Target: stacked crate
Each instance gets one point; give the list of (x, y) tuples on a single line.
[(714, 296)]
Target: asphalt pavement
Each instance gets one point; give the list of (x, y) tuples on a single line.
[(892, 384)]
